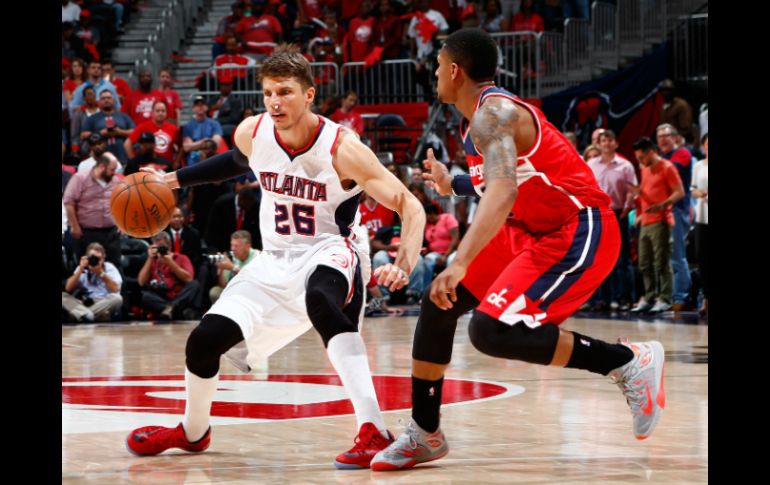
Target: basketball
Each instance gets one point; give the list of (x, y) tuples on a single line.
[(141, 204)]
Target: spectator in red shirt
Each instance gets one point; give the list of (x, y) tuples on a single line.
[(260, 32), (86, 32), (121, 85), (225, 64), (333, 30), (226, 27), (661, 187), (527, 19), (166, 134), (362, 34), (146, 157), (374, 215), (346, 114), (171, 96), (391, 31), (139, 103)]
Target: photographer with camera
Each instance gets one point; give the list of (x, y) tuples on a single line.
[(167, 280), (242, 253), (93, 291)]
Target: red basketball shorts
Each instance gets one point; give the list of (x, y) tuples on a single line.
[(544, 278)]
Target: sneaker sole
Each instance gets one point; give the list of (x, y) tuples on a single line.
[(136, 453), (660, 399), (387, 467), (349, 466)]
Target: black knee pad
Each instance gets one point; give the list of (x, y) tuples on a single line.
[(325, 297), (208, 341), (435, 331), (518, 341)]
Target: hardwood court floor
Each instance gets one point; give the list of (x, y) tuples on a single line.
[(548, 426)]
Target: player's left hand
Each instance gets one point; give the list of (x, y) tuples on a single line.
[(391, 276), (443, 291)]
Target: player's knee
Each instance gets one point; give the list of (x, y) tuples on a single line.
[(517, 341), (208, 341), (435, 330), (325, 312)]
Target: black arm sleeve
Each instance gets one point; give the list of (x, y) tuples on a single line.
[(218, 168)]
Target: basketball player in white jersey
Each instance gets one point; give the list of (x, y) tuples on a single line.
[(313, 267)]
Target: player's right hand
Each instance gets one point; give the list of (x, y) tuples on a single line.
[(437, 175), (391, 276), (168, 177), (443, 290)]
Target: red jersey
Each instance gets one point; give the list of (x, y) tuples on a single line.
[(259, 33), (138, 105), (352, 120), (553, 180), (361, 36), (375, 218), (231, 61), (165, 137)]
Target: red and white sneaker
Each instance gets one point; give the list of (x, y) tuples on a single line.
[(151, 440), (367, 444)]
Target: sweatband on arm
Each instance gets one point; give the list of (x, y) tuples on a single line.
[(462, 185)]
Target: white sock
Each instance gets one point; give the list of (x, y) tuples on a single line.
[(200, 394), (347, 354)]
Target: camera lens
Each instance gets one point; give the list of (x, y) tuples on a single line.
[(162, 249), (93, 260)]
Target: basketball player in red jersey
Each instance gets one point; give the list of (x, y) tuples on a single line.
[(543, 239), (314, 263)]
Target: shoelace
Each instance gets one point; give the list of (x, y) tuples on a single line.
[(408, 432), (362, 442), (634, 396)]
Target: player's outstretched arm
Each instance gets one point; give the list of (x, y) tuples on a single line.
[(354, 160), (218, 168), (493, 130)]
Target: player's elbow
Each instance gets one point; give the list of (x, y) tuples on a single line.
[(504, 190)]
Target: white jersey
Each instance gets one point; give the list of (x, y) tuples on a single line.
[(303, 201), (307, 220)]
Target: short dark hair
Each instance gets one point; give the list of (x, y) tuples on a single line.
[(475, 51), (103, 159), (288, 61), (609, 134), (645, 144), (704, 138)]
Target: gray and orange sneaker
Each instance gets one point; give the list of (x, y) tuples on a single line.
[(641, 381), (413, 447)]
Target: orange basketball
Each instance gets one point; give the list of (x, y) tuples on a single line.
[(141, 204)]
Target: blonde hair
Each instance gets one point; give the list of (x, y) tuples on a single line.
[(588, 149)]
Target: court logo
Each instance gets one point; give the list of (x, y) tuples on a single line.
[(101, 404)]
